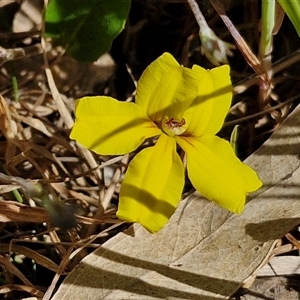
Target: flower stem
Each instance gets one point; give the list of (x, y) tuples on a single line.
[(198, 14), (212, 46)]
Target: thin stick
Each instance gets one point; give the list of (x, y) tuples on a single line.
[(249, 56)]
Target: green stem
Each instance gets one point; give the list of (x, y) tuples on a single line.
[(265, 49), (15, 88), (267, 26), (15, 192), (14, 82)]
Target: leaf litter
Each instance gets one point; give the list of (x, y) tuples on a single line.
[(34, 146)]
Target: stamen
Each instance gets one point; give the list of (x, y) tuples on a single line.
[(172, 123), (173, 127)]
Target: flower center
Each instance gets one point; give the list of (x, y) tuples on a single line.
[(173, 127)]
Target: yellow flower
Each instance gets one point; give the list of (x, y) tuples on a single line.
[(179, 106)]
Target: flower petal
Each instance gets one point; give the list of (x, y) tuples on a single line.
[(217, 173), (152, 186), (166, 89), (111, 127), (207, 113)]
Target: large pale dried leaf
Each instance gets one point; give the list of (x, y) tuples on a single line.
[(204, 252)]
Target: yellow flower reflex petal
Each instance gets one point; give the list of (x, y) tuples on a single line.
[(165, 89), (111, 127), (152, 186), (207, 112), (217, 173)]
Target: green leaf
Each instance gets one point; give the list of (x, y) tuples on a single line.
[(292, 9), (86, 28)]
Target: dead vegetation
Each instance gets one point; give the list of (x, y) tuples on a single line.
[(38, 244)]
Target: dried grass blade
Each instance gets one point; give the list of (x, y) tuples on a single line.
[(7, 125), (38, 258), (249, 56), (4, 289), (4, 262), (11, 211), (6, 188)]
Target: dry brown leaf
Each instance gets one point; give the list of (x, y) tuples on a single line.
[(204, 252), (5, 188), (4, 289), (8, 127), (66, 193), (9, 267), (35, 123), (38, 258), (11, 211), (249, 56)]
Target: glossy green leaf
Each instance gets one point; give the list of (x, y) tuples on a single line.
[(86, 28), (292, 9)]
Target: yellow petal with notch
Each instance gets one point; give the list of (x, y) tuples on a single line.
[(111, 127), (217, 173), (166, 89), (207, 112), (152, 186)]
